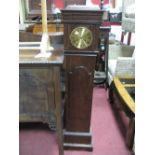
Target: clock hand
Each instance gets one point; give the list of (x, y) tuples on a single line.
[(82, 32), (79, 44), (84, 42)]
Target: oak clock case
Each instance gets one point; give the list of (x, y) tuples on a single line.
[(81, 31)]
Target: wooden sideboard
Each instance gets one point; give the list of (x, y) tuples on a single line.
[(39, 82), (39, 90)]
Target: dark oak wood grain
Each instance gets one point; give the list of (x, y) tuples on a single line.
[(80, 71), (80, 66)]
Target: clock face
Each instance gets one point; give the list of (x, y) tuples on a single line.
[(81, 37)]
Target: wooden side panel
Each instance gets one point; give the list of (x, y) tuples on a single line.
[(36, 95)]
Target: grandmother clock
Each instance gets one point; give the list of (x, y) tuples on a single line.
[(81, 38)]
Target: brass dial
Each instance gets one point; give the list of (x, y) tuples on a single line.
[(81, 37)]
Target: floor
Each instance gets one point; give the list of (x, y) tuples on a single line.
[(108, 127)]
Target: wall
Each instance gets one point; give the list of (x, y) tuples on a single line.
[(98, 1), (59, 3)]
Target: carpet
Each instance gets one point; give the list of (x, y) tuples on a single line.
[(108, 126)]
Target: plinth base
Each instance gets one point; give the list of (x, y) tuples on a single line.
[(78, 140)]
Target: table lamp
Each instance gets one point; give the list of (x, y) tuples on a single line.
[(45, 46)]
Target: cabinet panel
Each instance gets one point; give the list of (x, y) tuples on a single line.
[(36, 95), (80, 71)]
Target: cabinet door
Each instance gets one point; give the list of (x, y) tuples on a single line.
[(80, 74)]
